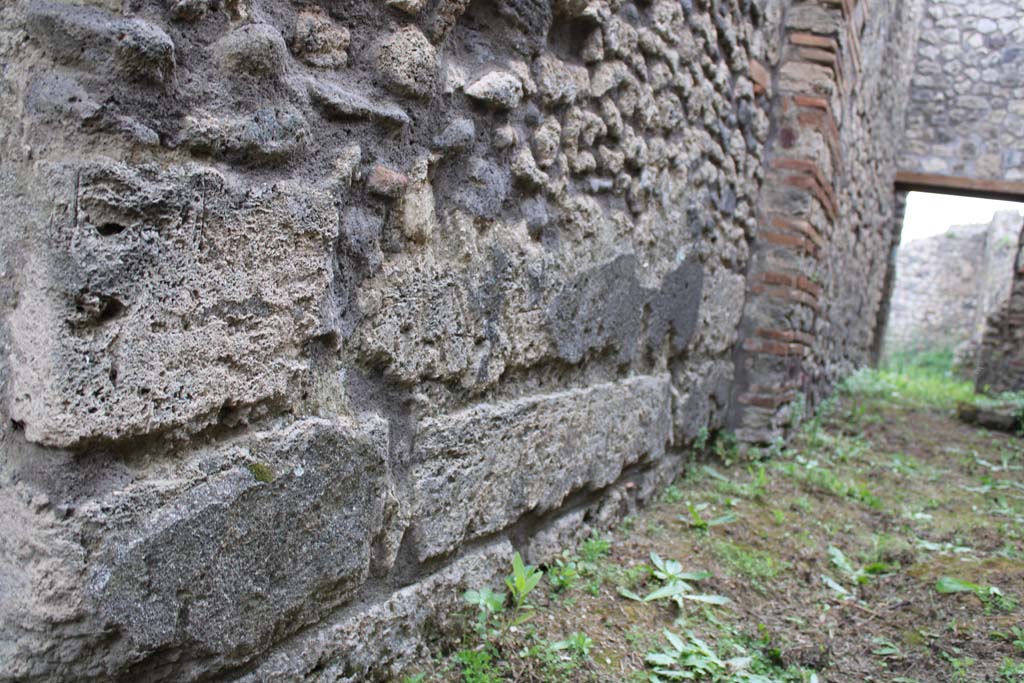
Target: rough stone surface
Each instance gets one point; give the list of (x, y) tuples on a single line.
[(204, 569), (825, 215), (485, 467), (318, 41), (409, 62), (146, 350), (966, 111), (307, 309), (373, 642), (498, 89)]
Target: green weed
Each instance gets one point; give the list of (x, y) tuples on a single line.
[(522, 581), (478, 665), (563, 574), (748, 561), (594, 549), (578, 644)]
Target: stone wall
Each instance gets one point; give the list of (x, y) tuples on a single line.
[(311, 311), (1000, 365), (966, 111), (306, 305), (948, 285)]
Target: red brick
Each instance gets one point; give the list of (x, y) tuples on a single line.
[(801, 226), (808, 286), (774, 279), (759, 74), (785, 336), (816, 102), (787, 294), (812, 40), (808, 183), (785, 240)]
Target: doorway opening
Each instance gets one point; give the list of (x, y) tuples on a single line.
[(955, 265)]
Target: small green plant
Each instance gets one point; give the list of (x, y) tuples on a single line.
[(961, 667), (860, 575), (758, 482), (687, 659), (521, 582), (1018, 638), (726, 448), (563, 574), (1011, 671), (675, 585), (698, 522), (885, 648), (747, 561), (594, 549), (701, 441), (672, 494), (478, 665), (578, 644), (489, 604), (990, 596)]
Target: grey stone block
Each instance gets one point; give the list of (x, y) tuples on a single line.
[(255, 553), (154, 309), (483, 468), (177, 578), (375, 642)]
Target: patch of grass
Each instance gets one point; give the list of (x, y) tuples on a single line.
[(672, 494), (1011, 671), (594, 549), (919, 378), (747, 561), (734, 658), (478, 666), (815, 477)]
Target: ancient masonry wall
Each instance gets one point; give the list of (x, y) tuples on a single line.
[(948, 285), (313, 311), (1000, 365), (966, 111), (819, 267)]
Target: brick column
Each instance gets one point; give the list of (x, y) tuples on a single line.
[(798, 211)]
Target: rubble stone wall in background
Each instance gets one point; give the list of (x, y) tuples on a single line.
[(948, 285), (313, 310), (966, 112), (1000, 365)]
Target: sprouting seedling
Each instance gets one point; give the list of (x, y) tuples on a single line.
[(698, 522), (488, 603), (523, 579)]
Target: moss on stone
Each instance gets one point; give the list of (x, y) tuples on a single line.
[(261, 472)]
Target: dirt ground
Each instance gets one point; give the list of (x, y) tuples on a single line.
[(885, 544)]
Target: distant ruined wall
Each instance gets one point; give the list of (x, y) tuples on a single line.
[(966, 111), (1000, 365), (312, 311), (948, 285)]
